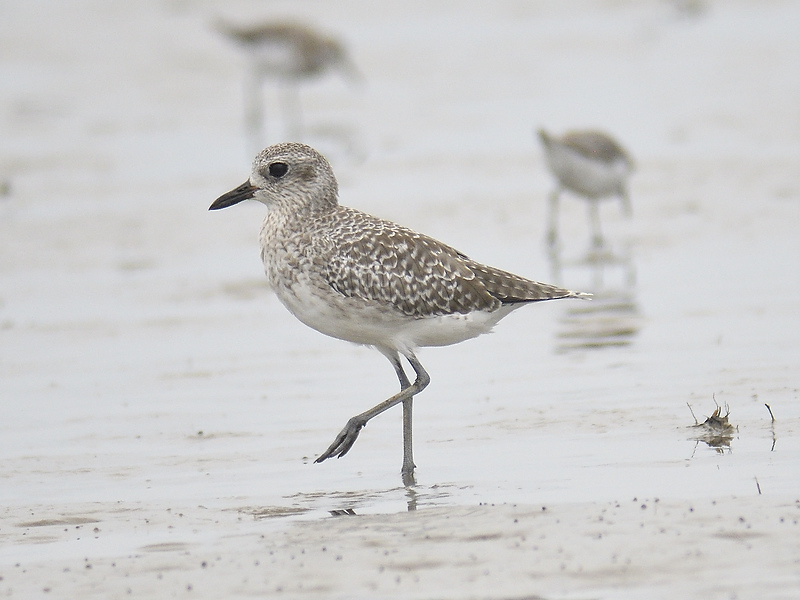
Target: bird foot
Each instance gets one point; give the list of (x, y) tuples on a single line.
[(407, 474), (344, 441), (599, 244)]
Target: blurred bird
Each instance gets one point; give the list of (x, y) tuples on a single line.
[(590, 164), (287, 53), (689, 8)]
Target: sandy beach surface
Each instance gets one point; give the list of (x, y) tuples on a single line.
[(161, 411)]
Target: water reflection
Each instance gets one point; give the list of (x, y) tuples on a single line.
[(612, 318), (305, 506), (716, 431), (356, 502), (343, 512), (411, 494), (772, 427)]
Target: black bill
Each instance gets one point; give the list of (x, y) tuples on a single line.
[(244, 192)]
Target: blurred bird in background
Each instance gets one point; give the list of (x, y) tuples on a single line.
[(288, 54), (592, 165)]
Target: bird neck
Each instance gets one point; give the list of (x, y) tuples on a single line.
[(287, 216)]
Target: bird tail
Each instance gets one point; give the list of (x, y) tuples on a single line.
[(510, 288)]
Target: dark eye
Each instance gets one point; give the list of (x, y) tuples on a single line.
[(278, 169)]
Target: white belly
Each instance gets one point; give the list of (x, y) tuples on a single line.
[(591, 178), (365, 322)]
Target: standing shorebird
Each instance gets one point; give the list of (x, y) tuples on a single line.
[(362, 279), (591, 164), (287, 53)]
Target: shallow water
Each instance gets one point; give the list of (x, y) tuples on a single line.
[(144, 365)]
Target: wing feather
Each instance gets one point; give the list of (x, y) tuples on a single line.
[(382, 262), (378, 261)]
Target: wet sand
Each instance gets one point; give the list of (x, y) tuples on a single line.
[(635, 548), (162, 411)]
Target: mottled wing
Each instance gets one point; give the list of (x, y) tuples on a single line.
[(376, 260)]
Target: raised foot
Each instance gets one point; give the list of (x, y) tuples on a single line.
[(344, 441)]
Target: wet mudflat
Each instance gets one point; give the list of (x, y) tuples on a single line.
[(162, 411)]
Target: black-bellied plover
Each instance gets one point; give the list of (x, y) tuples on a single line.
[(288, 53), (362, 279), (591, 164)]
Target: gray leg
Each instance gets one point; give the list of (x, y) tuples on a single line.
[(408, 450), (347, 436), (407, 471), (627, 210), (552, 218), (594, 221)]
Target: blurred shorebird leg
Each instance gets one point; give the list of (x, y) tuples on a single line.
[(627, 209), (552, 217), (594, 220)]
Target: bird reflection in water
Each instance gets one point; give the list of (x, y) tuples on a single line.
[(716, 431), (612, 319)]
